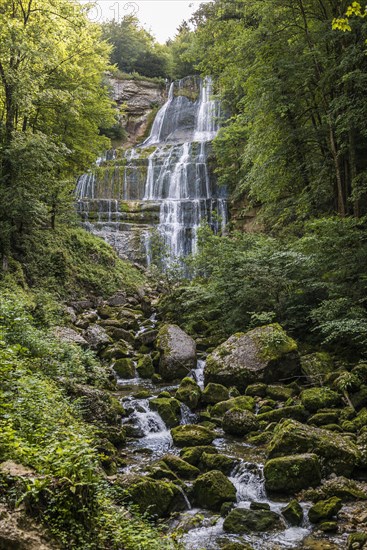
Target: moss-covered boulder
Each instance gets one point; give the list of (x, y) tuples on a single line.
[(324, 509), (341, 487), (241, 520), (336, 453), (239, 422), (298, 412), (256, 390), (243, 402), (210, 461), (193, 455), (191, 435), (177, 352), (124, 368), (215, 393), (156, 498), (265, 354), (289, 474), (212, 489), (279, 392), (189, 393), (293, 513), (314, 399), (145, 366), (168, 408), (357, 541), (180, 467), (316, 366), (324, 418)]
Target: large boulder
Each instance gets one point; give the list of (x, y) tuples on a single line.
[(314, 399), (215, 393), (265, 354), (239, 422), (241, 520), (180, 467), (212, 489), (177, 352), (156, 498), (337, 454), (191, 435), (316, 366), (244, 402), (290, 474)]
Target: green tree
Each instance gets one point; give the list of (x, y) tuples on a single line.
[(52, 103)]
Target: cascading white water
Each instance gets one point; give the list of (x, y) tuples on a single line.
[(170, 187)]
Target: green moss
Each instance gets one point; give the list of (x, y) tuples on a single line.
[(145, 366), (242, 521), (210, 461), (212, 489), (191, 435), (324, 509), (182, 468), (168, 409), (193, 455), (189, 393), (314, 399), (239, 422), (293, 513), (124, 368), (274, 342), (290, 474), (215, 393), (155, 497), (242, 402)]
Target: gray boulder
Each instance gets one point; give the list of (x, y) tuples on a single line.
[(265, 354), (177, 352)]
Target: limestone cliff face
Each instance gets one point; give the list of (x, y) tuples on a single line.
[(141, 99)]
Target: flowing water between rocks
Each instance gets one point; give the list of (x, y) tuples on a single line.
[(152, 440)]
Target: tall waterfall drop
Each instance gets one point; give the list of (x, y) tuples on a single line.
[(164, 183)]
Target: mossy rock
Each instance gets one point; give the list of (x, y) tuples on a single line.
[(265, 354), (215, 393), (156, 498), (262, 438), (293, 513), (336, 453), (239, 422), (213, 489), (298, 412), (145, 366), (118, 351), (236, 546), (321, 419), (328, 526), (124, 368), (180, 467), (256, 390), (324, 509), (168, 408), (289, 474), (191, 435), (341, 487), (314, 399), (193, 455), (177, 352), (356, 541), (223, 463), (243, 402), (241, 521), (189, 393), (359, 398), (316, 366), (279, 393)]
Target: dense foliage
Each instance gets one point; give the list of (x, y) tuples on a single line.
[(52, 102), (315, 286), (294, 87), (134, 49)]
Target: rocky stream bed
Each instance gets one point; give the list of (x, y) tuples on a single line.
[(246, 445)]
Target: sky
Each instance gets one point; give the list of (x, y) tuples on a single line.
[(161, 17)]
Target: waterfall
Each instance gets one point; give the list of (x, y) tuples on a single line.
[(164, 183)]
